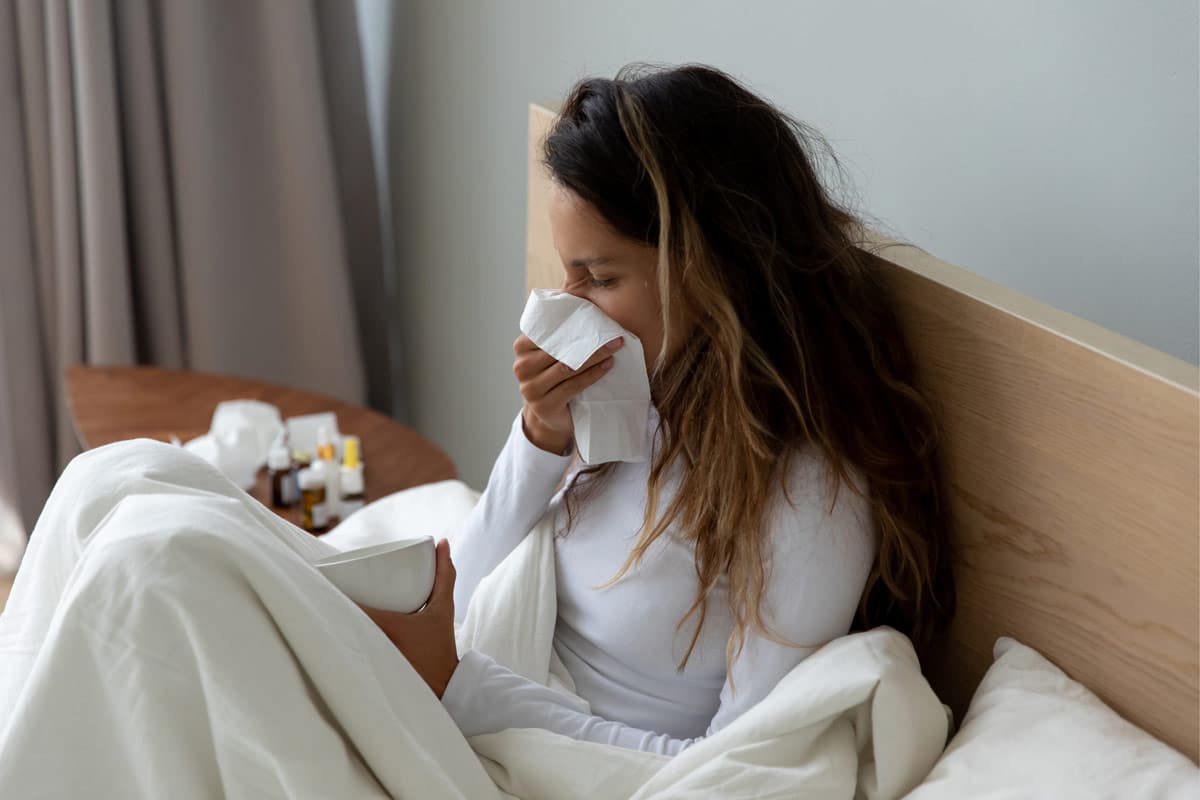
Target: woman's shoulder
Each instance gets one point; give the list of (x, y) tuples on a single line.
[(812, 506), (807, 475)]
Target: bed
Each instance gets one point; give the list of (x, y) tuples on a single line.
[(1073, 460), (1073, 455)]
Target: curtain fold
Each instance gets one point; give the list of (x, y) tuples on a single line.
[(181, 184)]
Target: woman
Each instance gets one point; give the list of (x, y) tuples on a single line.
[(793, 491)]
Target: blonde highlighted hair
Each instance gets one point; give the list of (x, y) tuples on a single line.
[(792, 341)]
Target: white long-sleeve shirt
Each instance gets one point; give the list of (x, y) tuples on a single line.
[(619, 644)]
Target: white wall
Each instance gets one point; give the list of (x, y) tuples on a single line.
[(1049, 146)]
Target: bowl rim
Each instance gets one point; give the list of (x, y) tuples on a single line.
[(373, 551)]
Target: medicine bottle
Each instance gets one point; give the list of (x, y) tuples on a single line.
[(314, 512), (327, 457), (351, 483), (285, 492)]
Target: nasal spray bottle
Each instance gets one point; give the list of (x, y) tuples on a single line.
[(314, 517), (284, 488), (327, 455), (352, 498)]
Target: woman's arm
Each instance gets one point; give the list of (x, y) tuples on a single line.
[(523, 481), (818, 564), (485, 697), (529, 467)]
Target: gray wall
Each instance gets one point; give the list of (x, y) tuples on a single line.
[(1049, 146)]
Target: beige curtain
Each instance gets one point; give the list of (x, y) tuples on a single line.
[(185, 184)]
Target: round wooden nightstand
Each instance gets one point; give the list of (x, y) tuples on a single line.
[(109, 404)]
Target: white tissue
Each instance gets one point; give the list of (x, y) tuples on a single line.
[(611, 415), (239, 439), (302, 431)]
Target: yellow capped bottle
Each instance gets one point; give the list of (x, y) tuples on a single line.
[(351, 478)]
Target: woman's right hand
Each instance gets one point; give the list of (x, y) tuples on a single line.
[(547, 385)]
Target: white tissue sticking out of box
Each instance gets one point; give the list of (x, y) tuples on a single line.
[(611, 415), (302, 431), (239, 439)]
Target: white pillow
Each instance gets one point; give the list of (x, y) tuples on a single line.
[(1032, 732), (437, 509)]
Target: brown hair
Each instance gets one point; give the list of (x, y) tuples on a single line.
[(795, 341)]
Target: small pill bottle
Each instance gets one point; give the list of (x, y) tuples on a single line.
[(285, 492), (353, 497), (314, 511), (327, 457), (351, 482)]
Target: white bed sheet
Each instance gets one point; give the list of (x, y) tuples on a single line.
[(168, 636)]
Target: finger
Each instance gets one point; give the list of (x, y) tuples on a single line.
[(524, 344), (544, 383), (532, 363), (563, 393), (604, 351), (444, 576)]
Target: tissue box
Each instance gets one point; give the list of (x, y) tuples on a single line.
[(302, 431)]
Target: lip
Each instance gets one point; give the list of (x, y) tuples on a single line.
[(369, 552)]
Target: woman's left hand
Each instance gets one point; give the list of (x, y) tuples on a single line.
[(426, 637)]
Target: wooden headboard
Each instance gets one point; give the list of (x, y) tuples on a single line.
[(1073, 456)]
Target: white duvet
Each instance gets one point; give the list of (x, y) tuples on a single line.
[(167, 636)]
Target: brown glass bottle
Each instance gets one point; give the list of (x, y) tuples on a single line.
[(314, 510)]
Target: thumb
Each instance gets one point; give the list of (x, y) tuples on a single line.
[(443, 580)]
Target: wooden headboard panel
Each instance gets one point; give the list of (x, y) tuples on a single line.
[(1073, 456)]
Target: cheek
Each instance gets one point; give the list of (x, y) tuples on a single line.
[(637, 313), (613, 303), (633, 306)]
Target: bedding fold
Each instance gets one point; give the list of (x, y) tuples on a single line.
[(167, 635)]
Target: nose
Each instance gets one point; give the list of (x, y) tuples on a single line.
[(576, 288)]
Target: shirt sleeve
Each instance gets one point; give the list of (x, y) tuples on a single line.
[(523, 481), (817, 566)]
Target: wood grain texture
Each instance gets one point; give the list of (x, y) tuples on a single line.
[(109, 404), (1074, 480), (543, 269), (1073, 456)]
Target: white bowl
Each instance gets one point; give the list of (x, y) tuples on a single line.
[(397, 576)]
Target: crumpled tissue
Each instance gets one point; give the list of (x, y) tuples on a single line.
[(239, 439), (611, 415)]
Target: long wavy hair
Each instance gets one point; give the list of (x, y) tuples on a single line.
[(793, 340)]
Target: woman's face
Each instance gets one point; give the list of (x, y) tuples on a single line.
[(616, 273)]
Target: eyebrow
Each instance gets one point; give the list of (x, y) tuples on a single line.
[(596, 261)]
